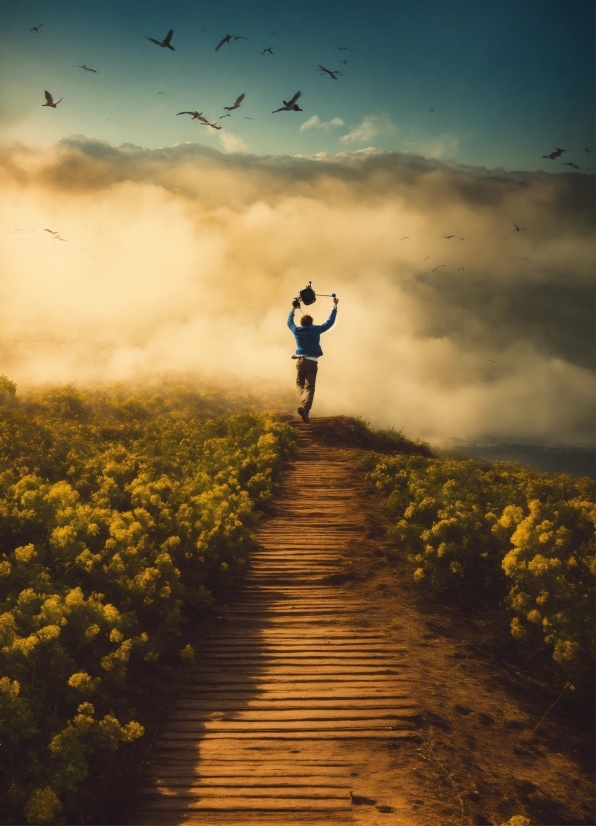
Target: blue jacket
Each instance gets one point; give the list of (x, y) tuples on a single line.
[(307, 338)]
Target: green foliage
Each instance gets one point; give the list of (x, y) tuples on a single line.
[(120, 515), (502, 534)]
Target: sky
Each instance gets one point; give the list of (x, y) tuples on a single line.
[(507, 82), (136, 242)]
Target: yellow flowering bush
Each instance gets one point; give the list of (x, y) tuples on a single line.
[(121, 514), (501, 534)]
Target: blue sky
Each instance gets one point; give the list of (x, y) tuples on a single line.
[(508, 81)]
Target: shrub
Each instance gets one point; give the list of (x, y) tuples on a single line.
[(120, 515)]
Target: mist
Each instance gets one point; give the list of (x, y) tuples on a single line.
[(184, 259)]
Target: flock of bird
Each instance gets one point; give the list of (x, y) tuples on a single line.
[(288, 105)]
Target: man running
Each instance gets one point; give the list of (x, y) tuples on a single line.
[(308, 352)]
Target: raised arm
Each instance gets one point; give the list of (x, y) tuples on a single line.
[(291, 324), (331, 320)]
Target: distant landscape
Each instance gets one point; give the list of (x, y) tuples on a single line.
[(578, 461)]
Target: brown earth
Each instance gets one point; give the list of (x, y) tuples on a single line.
[(330, 675)]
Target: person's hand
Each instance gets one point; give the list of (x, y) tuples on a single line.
[(295, 303), (336, 301)]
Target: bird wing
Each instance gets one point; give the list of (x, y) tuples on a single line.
[(168, 37), (239, 38), (153, 40), (240, 99), (57, 102), (221, 42), (294, 99), (49, 98), (188, 113), (51, 231)]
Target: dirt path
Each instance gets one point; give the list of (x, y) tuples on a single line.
[(331, 673), (299, 697)]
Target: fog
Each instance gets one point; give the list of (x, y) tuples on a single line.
[(186, 259)]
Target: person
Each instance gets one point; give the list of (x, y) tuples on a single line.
[(308, 352)]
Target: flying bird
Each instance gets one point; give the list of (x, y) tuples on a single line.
[(345, 62), (245, 118), (404, 238), (227, 39), (236, 104), (462, 268), (212, 125), (556, 154), (329, 72), (586, 149), (462, 239), (438, 268), (51, 231), (36, 28), (86, 68), (518, 229), (431, 110), (428, 256), (344, 49), (224, 116), (267, 50), (449, 236), (195, 116), (494, 362), (290, 105), (50, 101), (568, 163), (166, 43)]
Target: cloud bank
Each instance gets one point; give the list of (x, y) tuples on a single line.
[(186, 259)]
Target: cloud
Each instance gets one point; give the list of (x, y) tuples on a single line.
[(232, 143), (185, 259), (315, 122), (371, 126)]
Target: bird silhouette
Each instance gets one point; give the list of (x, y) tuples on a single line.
[(345, 62), (267, 50), (245, 118), (361, 800), (166, 43), (50, 101), (431, 110), (518, 229), (51, 231), (212, 125), (404, 238), (556, 154), (568, 163), (329, 72), (462, 239), (438, 268), (195, 116), (586, 149), (290, 105), (36, 28), (227, 39), (462, 268), (86, 68), (345, 49), (224, 116), (236, 104), (449, 236)]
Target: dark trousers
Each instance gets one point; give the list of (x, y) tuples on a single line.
[(305, 380)]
